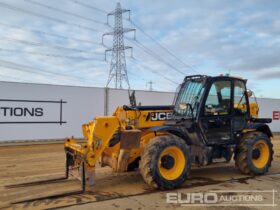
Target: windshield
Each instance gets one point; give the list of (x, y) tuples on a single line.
[(190, 94), (176, 93)]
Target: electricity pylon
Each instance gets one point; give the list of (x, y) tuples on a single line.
[(118, 70)]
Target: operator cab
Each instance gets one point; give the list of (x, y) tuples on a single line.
[(217, 107)]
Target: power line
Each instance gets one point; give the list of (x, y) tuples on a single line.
[(89, 6), (22, 70), (153, 71), (14, 78), (50, 34), (4, 5), (48, 45), (140, 45), (161, 46), (48, 55), (32, 70), (156, 56), (64, 12)]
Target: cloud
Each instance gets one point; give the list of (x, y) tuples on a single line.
[(212, 36), (270, 75)]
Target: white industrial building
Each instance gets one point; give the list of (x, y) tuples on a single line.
[(39, 111)]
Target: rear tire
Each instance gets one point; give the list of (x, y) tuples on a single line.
[(254, 153), (165, 162)]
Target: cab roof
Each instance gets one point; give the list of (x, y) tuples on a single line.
[(214, 77)]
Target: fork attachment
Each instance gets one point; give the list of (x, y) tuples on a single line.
[(69, 163)]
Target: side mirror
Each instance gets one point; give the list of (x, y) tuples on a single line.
[(249, 93), (183, 106)]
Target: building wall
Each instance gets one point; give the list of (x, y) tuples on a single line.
[(268, 108), (66, 108), (81, 105), (119, 97)]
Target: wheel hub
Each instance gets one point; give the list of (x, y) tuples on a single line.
[(167, 161), (256, 153)]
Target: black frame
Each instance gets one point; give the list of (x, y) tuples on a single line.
[(201, 109), (207, 90), (210, 81)]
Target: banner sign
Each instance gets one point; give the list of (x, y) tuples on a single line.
[(31, 111)]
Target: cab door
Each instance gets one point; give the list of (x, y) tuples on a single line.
[(215, 121), (241, 113)]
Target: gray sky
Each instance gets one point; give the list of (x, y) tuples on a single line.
[(46, 45)]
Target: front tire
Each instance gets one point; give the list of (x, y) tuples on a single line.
[(254, 154), (165, 162)]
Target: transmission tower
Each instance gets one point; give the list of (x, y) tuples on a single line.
[(150, 84), (118, 71)]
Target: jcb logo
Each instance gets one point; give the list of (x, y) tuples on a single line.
[(159, 116)]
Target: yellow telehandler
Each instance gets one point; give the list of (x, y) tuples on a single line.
[(211, 119)]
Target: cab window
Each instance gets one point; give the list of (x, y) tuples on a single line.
[(240, 105), (219, 99)]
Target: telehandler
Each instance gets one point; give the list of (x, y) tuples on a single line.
[(210, 120)]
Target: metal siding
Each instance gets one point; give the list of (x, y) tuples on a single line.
[(83, 103), (267, 106), (120, 97)]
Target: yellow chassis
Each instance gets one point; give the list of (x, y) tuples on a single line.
[(101, 130), (132, 124)]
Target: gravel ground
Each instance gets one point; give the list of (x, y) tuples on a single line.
[(121, 191)]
